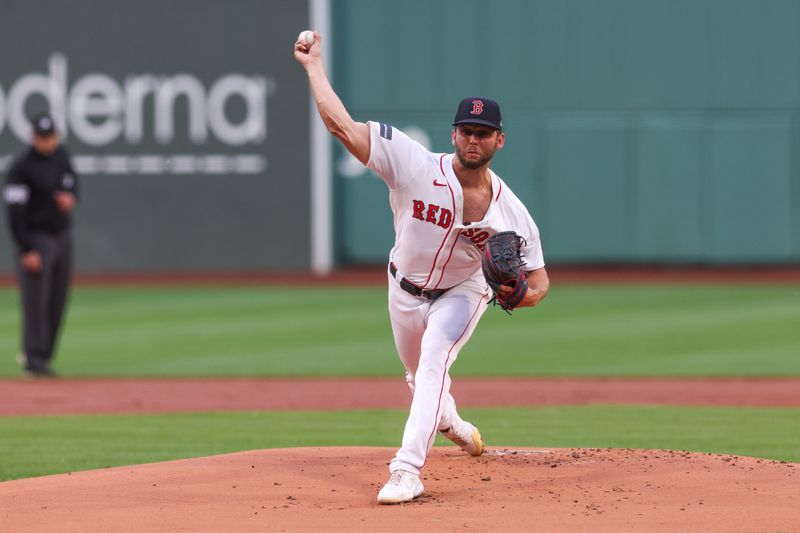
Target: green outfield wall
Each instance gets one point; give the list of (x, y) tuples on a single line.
[(638, 131), (645, 131)]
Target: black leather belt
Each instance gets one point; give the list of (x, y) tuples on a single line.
[(410, 288)]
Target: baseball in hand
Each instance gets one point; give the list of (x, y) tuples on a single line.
[(306, 37)]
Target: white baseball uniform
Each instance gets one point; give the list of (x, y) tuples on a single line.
[(433, 250)]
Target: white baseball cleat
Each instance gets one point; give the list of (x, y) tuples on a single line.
[(466, 436), (402, 487)]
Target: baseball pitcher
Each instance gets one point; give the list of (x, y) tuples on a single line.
[(447, 209)]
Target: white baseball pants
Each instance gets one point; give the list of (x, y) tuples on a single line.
[(428, 336)]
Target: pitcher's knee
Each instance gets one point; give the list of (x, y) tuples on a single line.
[(436, 350)]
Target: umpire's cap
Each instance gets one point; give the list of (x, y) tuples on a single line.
[(479, 110), (43, 125)]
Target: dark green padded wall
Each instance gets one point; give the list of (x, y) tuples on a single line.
[(644, 131)]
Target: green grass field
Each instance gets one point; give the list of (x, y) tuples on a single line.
[(668, 330), (45, 445), (673, 330)]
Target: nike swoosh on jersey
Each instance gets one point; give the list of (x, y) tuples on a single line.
[(439, 184)]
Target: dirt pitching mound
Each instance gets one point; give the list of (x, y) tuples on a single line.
[(334, 489)]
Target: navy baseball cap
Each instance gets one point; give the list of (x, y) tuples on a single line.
[(43, 125), (479, 110)]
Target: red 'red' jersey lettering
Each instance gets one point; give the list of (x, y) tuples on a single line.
[(432, 209), (419, 206), (441, 216), (446, 218)]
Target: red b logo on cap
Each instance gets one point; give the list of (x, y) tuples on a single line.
[(477, 107)]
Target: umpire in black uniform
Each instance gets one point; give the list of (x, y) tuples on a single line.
[(41, 192)]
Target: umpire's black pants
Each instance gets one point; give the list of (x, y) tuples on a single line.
[(44, 297)]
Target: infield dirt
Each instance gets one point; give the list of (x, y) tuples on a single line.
[(94, 396), (333, 489)]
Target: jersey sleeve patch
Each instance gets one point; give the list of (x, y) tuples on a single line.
[(16, 194), (386, 131)]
